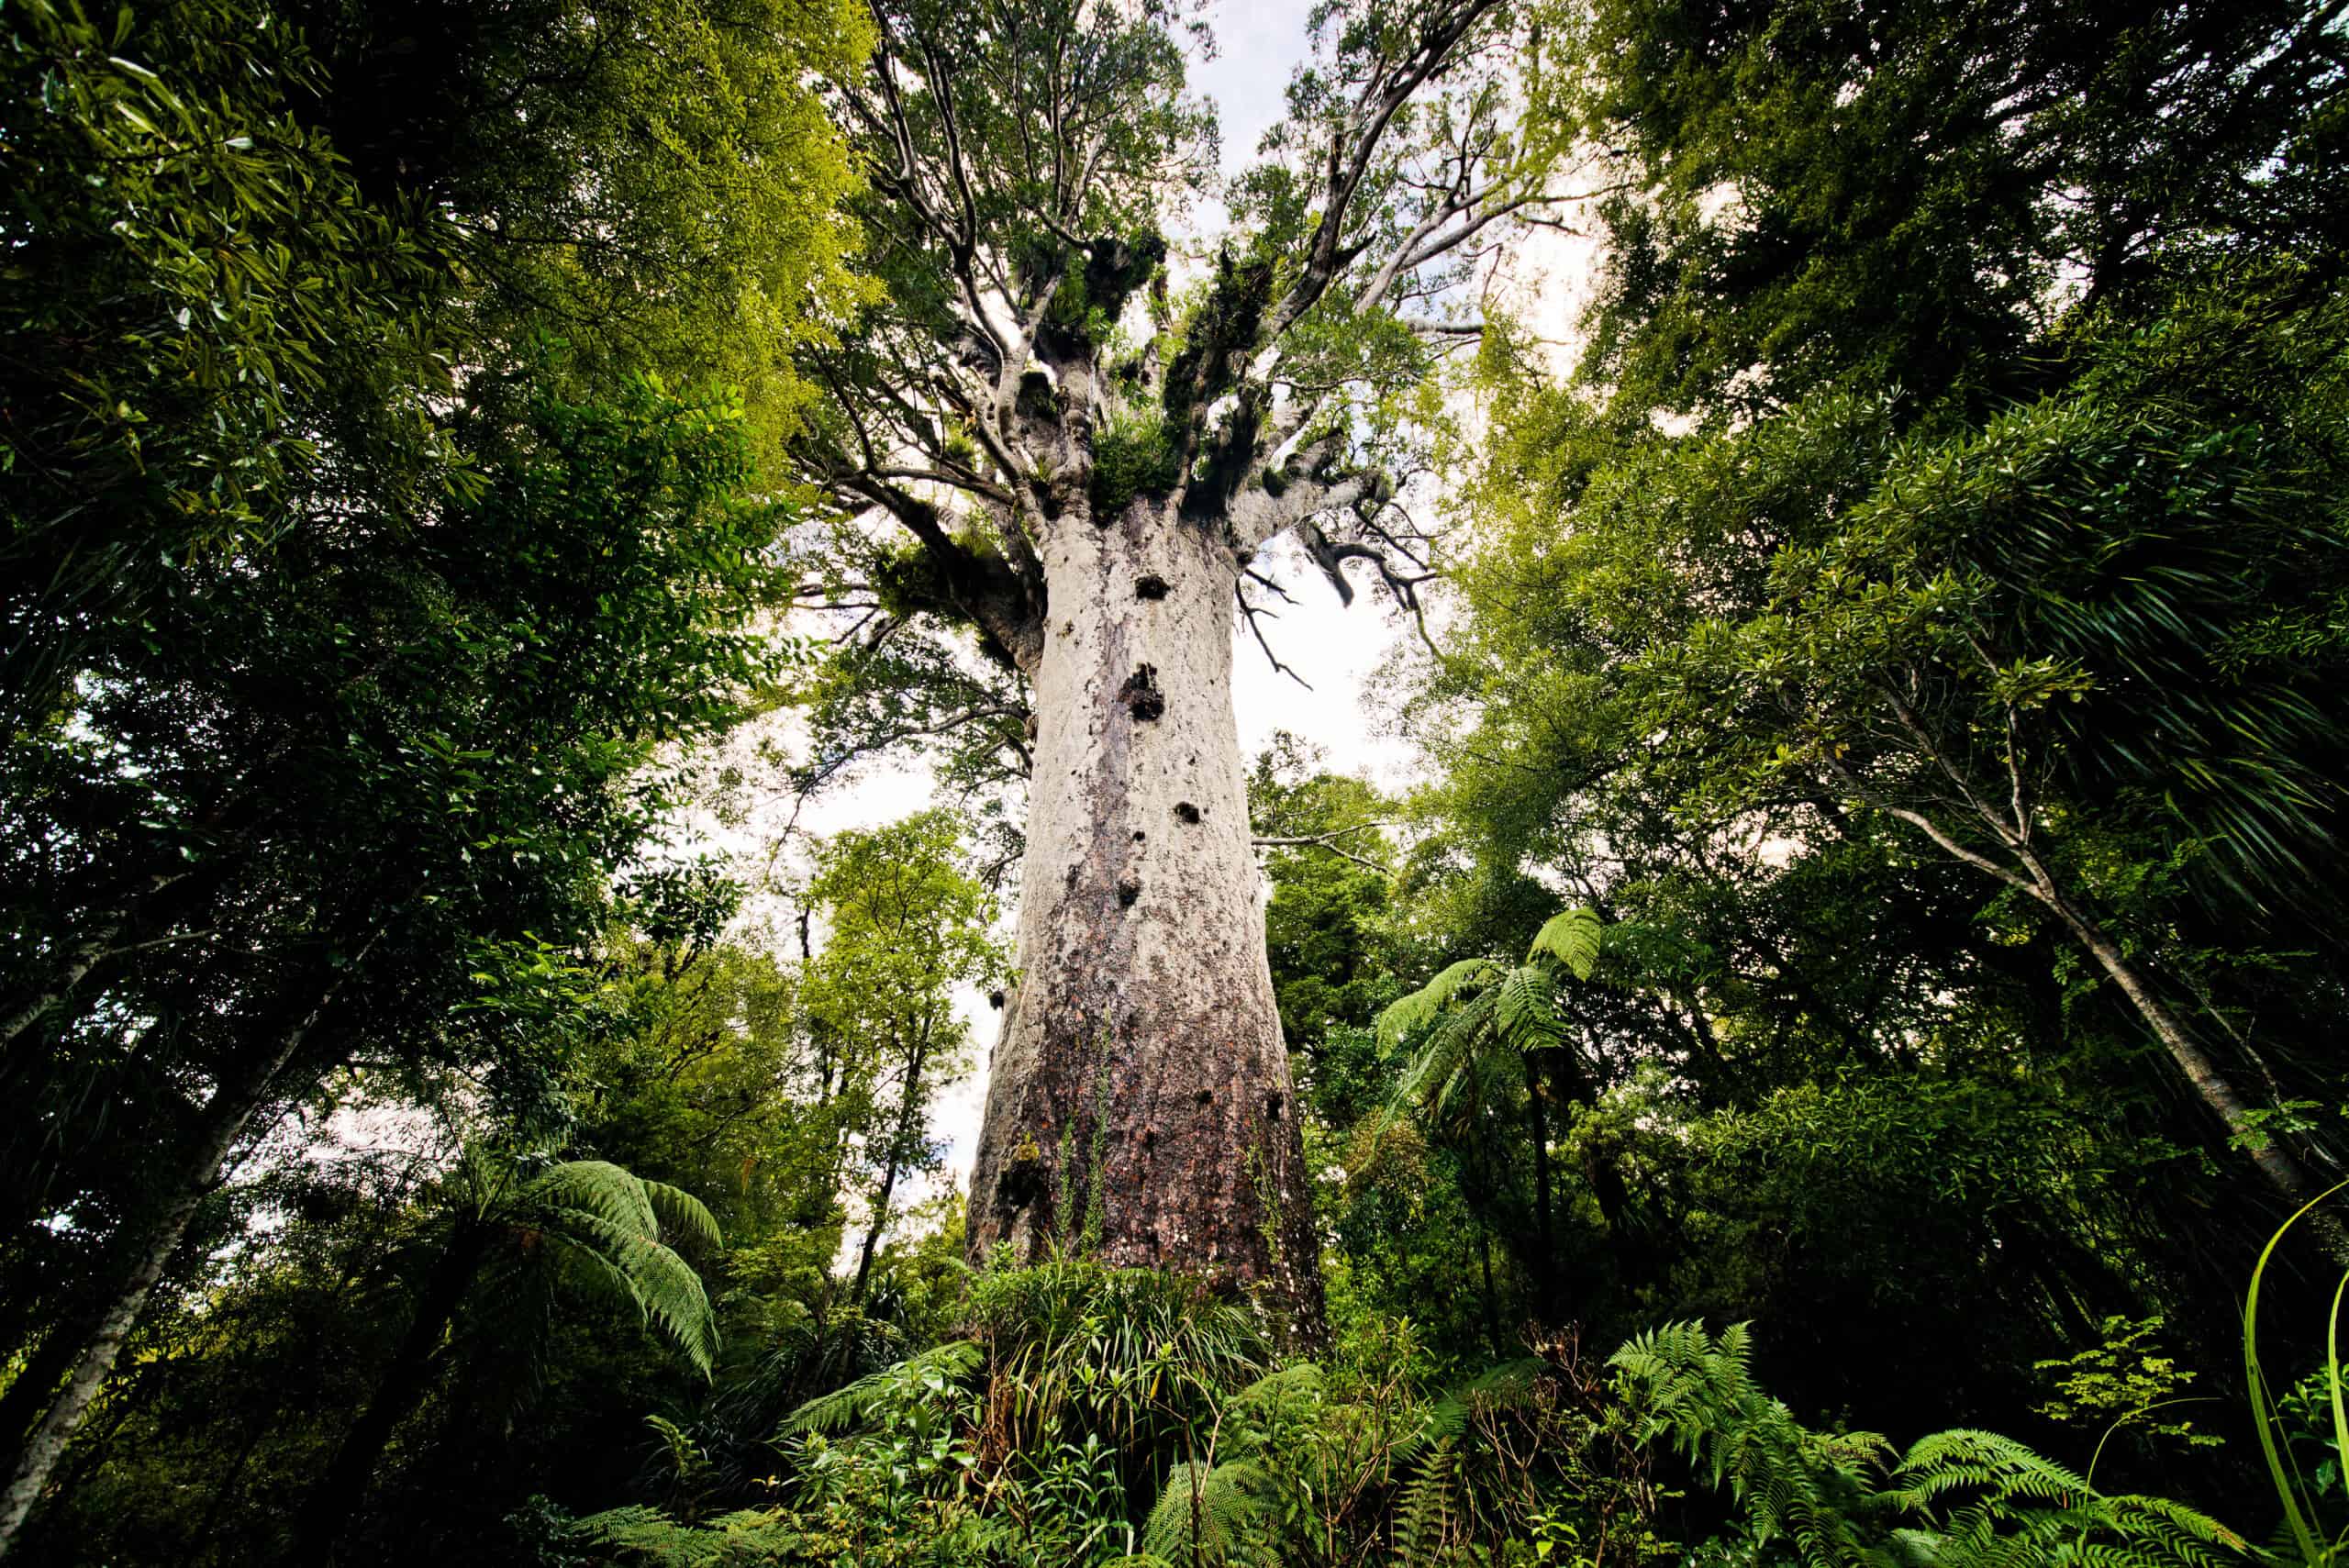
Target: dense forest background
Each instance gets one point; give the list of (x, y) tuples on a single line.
[(1865, 956)]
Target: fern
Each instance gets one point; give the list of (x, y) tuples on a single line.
[(644, 1535), (858, 1403), (601, 1231), (1275, 1403), (1423, 1514), (1509, 1385), (1408, 1015), (1572, 938), (2019, 1500), (1480, 1017), (2005, 1504), (1214, 1515)]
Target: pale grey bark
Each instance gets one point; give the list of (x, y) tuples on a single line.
[(1139, 1101)]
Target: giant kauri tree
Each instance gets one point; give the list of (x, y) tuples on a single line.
[(1049, 437)]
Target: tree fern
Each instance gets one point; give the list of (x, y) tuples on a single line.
[(603, 1228), (1478, 1011), (1407, 1015), (1572, 938)]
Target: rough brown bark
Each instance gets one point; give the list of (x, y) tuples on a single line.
[(1139, 1105)]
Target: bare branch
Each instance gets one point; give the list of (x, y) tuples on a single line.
[(1325, 841), (1252, 612)]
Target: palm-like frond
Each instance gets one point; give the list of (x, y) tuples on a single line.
[(1407, 1015), (1572, 938), (1525, 1009), (845, 1409), (1434, 1072), (599, 1229), (1479, 1004), (632, 1270), (2005, 1504), (683, 1217)]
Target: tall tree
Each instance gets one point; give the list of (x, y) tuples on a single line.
[(905, 927), (277, 585), (1081, 459)]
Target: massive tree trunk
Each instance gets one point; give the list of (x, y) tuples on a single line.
[(1004, 399), (1139, 1105)]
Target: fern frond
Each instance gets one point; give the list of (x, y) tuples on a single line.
[(1211, 1516), (1423, 1513), (1525, 1009), (597, 1187), (1408, 1014), (1274, 1403), (856, 1402), (631, 1271), (1436, 1074), (683, 1217), (1509, 1385), (1572, 938)]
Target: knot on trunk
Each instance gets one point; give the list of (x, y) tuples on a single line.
[(1141, 693), (1150, 587)]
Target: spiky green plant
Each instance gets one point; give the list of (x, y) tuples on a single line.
[(1133, 1354)]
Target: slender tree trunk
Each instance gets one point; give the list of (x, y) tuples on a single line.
[(1539, 1128), (224, 1121), (341, 1491), (907, 1103), (1492, 1302), (2266, 1151), (28, 1395), (1140, 1092), (71, 974), (79, 959)]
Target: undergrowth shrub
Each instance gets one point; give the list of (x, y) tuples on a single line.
[(1096, 1418)]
